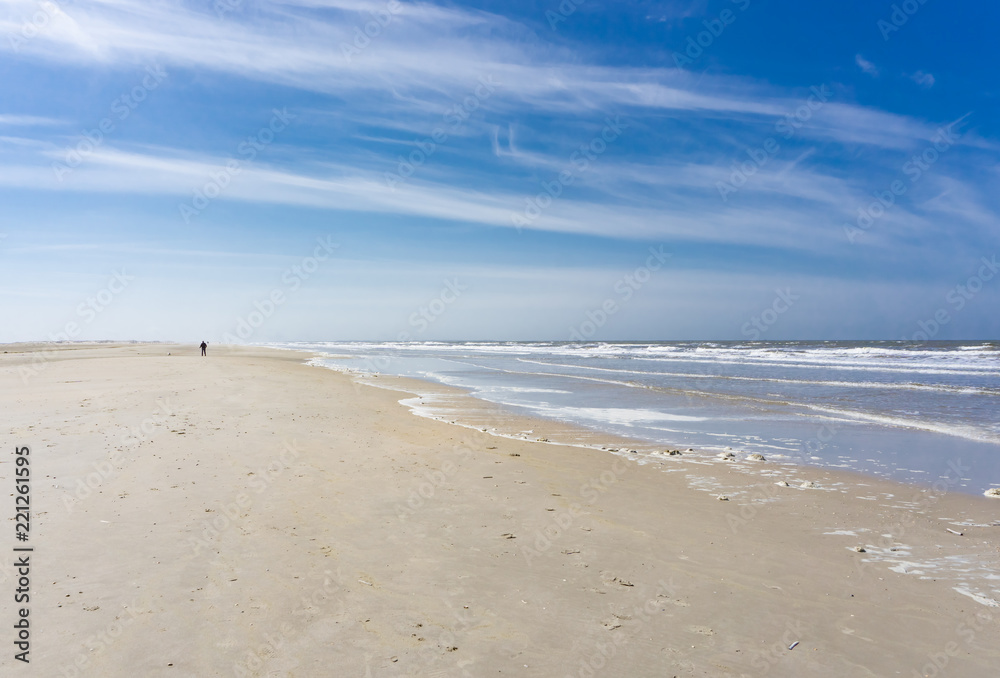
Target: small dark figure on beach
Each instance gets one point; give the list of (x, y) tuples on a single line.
[(204, 345)]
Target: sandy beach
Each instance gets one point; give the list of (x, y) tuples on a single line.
[(245, 514)]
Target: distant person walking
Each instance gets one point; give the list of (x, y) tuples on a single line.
[(204, 346)]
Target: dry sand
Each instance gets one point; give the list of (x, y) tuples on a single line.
[(245, 514)]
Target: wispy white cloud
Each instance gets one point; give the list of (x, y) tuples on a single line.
[(673, 13), (503, 141), (7, 120), (424, 49), (851, 124), (866, 66), (425, 58), (925, 80), (614, 201)]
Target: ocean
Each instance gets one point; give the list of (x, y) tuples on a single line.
[(918, 412)]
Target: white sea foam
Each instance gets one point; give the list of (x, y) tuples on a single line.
[(978, 597), (614, 415), (910, 386)]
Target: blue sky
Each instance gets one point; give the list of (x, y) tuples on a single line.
[(498, 170)]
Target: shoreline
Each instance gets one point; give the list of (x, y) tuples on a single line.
[(276, 519), (465, 405)]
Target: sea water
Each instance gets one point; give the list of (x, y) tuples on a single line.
[(924, 412)]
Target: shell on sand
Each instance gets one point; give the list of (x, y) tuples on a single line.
[(722, 497), (993, 492), (726, 455), (757, 457), (807, 483), (782, 483)]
